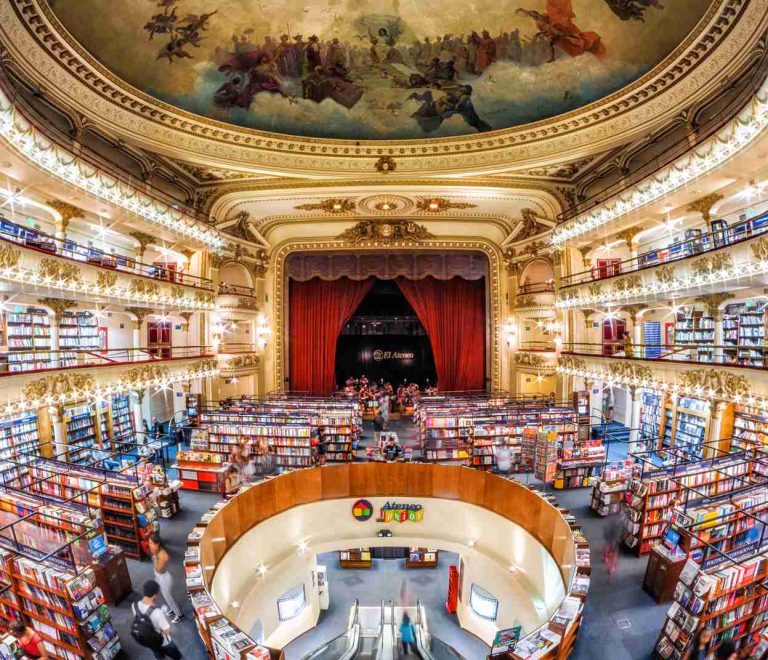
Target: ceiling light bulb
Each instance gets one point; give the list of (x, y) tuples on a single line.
[(337, 207), (434, 206)]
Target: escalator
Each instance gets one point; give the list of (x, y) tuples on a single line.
[(373, 634)]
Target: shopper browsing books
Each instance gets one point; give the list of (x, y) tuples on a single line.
[(30, 641), (702, 645), (151, 627), (163, 576), (231, 482), (391, 450)]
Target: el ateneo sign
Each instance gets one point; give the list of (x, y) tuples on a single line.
[(380, 356), (362, 510)]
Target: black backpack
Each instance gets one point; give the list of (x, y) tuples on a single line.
[(143, 630)]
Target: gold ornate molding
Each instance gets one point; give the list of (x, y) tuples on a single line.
[(525, 301), (759, 249), (712, 263), (704, 205), (66, 211), (523, 359), (385, 232), (385, 165), (107, 280), (144, 287), (715, 384), (58, 306), (440, 204), (629, 235), (665, 274), (334, 205), (58, 386), (627, 283), (55, 270), (571, 363), (140, 313), (630, 371), (712, 302), (633, 310), (141, 377), (143, 239), (9, 256)]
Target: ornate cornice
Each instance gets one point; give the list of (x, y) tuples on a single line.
[(440, 204), (143, 239), (704, 205), (58, 306), (335, 205), (65, 211), (381, 232), (33, 36), (715, 384)]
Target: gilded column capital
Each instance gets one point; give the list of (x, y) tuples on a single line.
[(143, 239), (140, 313), (58, 306), (704, 205), (66, 212)]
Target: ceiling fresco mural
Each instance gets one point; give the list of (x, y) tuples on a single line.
[(379, 69)]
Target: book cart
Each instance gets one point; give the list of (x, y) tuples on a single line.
[(223, 639), (46, 560)]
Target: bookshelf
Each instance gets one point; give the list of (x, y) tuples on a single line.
[(24, 332), (728, 597), (577, 460), (545, 463), (122, 420), (685, 421), (608, 490), (422, 558), (80, 422), (79, 330), (355, 558), (652, 497), (19, 434), (750, 429), (650, 418), (694, 329)]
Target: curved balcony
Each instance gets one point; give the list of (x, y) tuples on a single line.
[(238, 360), (236, 298), (24, 362), (536, 356), (679, 251)]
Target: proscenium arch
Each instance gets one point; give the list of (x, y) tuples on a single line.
[(496, 290)]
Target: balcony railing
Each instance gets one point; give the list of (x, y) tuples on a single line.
[(707, 242), (73, 251), (22, 362), (751, 84), (755, 357), (537, 347), (236, 290), (536, 287)]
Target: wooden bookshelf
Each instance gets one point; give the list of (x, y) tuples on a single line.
[(19, 434), (577, 460), (355, 558), (422, 558), (82, 434), (201, 470), (608, 492)]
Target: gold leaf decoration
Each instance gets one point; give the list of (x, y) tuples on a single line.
[(665, 274), (630, 371), (378, 231), (440, 204), (571, 363), (142, 287), (336, 205), (177, 292), (9, 256), (525, 301), (70, 385), (524, 359), (58, 271), (704, 205), (714, 383), (106, 279), (140, 376), (760, 249), (595, 290), (628, 283)]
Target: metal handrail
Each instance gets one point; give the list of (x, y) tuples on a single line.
[(236, 290), (76, 358), (64, 248), (692, 247), (536, 287), (690, 141), (694, 352)]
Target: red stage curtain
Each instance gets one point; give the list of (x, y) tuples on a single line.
[(318, 311), (453, 314)]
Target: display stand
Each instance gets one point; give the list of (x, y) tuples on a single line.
[(355, 558), (200, 470), (422, 558)]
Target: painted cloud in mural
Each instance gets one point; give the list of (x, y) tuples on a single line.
[(390, 69)]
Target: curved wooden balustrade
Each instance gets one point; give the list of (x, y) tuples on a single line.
[(501, 496)]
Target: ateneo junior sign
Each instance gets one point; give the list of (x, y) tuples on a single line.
[(380, 356), (362, 510)]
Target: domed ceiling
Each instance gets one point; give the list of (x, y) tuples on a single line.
[(379, 69)]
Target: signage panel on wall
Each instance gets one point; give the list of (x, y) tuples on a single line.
[(362, 510)]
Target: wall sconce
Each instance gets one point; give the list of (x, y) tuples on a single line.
[(263, 332)]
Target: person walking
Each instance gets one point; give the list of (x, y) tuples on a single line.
[(163, 576), (151, 627), (407, 637)]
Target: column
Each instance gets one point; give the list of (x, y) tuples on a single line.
[(56, 414), (139, 314), (716, 428), (718, 318), (137, 397), (589, 385), (637, 330), (53, 320), (636, 395)]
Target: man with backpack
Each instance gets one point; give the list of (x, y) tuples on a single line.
[(151, 628)]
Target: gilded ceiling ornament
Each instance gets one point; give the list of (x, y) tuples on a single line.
[(250, 304), (630, 371), (259, 269), (440, 204), (9, 256), (627, 283), (531, 224), (665, 274), (186, 316), (712, 301), (143, 287), (568, 194), (534, 248), (336, 205), (629, 234), (106, 279), (247, 361), (759, 249), (58, 271), (178, 292), (595, 289), (140, 313), (571, 363), (385, 232), (241, 228), (68, 385), (188, 254), (143, 239), (218, 260), (584, 250), (140, 377), (714, 383), (66, 211), (58, 306), (704, 205), (385, 165)]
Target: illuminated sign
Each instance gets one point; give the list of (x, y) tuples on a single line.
[(362, 510), (379, 355), (397, 512)]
